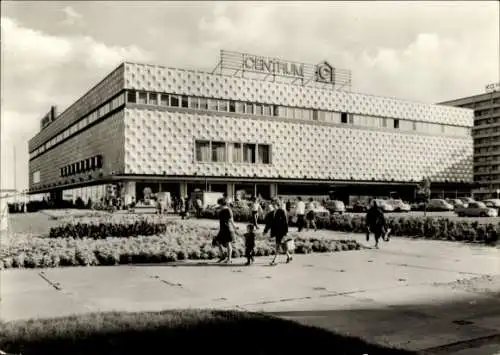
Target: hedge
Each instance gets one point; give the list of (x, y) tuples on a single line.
[(407, 226), (178, 242)]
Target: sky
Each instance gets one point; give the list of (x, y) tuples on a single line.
[(53, 52)]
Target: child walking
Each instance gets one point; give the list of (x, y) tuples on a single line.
[(250, 244)]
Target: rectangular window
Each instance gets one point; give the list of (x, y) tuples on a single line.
[(249, 153), (99, 161), (202, 151), (212, 105), (36, 177), (396, 124), (277, 111), (174, 101), (143, 98), (232, 106), (343, 117), (315, 115), (218, 152), (131, 97), (267, 110), (223, 105), (184, 101), (414, 126), (164, 100), (290, 112), (203, 104), (87, 165), (351, 118), (442, 128), (264, 156), (240, 107), (153, 98), (237, 153), (249, 109), (258, 109), (61, 172), (193, 102)]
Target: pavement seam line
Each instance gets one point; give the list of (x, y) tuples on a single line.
[(435, 269), (55, 285), (460, 345)]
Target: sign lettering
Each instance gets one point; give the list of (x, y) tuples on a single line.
[(272, 66), (325, 73)]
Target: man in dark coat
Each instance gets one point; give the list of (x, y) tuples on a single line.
[(277, 223), (375, 223)]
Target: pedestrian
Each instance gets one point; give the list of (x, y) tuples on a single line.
[(311, 215), (250, 244), (255, 212), (182, 207), (300, 211), (199, 207), (376, 224), (226, 234), (277, 224)]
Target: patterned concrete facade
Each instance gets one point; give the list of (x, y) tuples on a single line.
[(160, 141), (184, 82), (106, 138)]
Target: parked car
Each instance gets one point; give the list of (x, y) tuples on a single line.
[(384, 205), (417, 206), (476, 209), (456, 202), (439, 205), (335, 206), (400, 206), (493, 203), (467, 200)]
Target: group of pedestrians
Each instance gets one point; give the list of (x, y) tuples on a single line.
[(276, 223)]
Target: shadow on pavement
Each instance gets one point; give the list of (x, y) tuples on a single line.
[(437, 327)]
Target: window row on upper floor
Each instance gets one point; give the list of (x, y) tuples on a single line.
[(81, 124), (232, 152), (259, 109), (254, 109)]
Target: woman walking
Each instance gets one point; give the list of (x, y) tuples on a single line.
[(311, 215), (227, 231), (277, 223)]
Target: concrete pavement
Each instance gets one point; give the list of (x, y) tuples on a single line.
[(413, 294)]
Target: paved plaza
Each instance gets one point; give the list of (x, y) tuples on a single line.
[(413, 294)]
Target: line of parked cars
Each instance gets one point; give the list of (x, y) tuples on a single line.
[(463, 207)]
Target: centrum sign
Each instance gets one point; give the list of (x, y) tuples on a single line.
[(237, 63), (272, 66)]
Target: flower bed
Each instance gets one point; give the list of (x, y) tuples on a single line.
[(408, 226), (178, 242)]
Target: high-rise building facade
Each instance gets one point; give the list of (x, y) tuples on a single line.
[(291, 130), (486, 134)]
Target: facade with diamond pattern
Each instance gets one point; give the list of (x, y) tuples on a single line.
[(176, 130)]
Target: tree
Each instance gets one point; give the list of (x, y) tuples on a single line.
[(424, 192)]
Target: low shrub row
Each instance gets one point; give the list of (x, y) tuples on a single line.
[(36, 252), (104, 230), (408, 226)]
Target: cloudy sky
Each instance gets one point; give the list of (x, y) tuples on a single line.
[(52, 52)]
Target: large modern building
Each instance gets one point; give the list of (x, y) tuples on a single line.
[(486, 134), (267, 126)]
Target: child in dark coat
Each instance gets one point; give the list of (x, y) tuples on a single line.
[(250, 244)]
